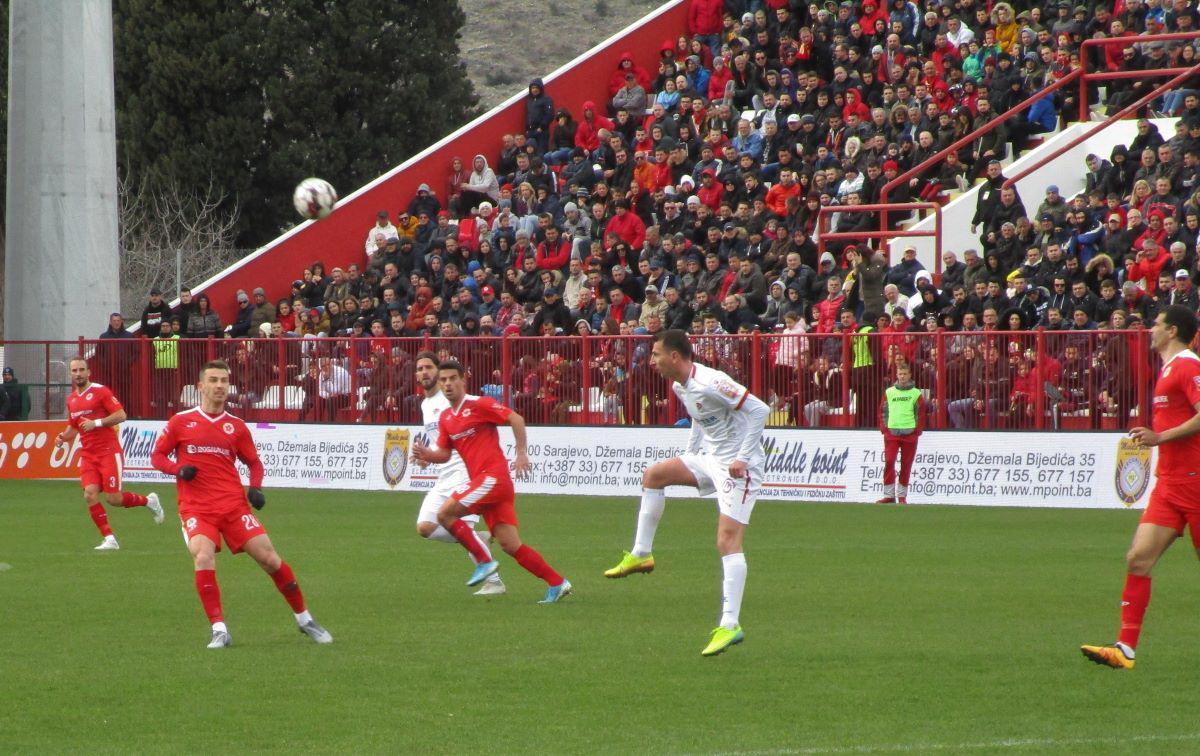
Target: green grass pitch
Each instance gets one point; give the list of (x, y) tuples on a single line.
[(869, 630)]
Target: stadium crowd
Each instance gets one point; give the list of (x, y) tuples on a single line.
[(688, 198)]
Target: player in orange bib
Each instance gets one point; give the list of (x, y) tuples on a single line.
[(206, 443), (1175, 499), (93, 414)]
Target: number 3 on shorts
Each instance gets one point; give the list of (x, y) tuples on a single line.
[(250, 521)]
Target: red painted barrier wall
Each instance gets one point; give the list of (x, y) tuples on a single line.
[(339, 239)]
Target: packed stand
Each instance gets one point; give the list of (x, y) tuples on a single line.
[(688, 198)]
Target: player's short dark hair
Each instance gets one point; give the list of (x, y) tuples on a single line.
[(1183, 320), (214, 365), (675, 340), (454, 365), (427, 354)]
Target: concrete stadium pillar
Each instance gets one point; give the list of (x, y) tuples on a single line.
[(61, 276)]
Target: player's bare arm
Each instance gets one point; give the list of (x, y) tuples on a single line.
[(521, 465), (105, 422), (67, 435), (429, 454), (1148, 437)]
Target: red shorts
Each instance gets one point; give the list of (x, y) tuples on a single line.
[(1174, 505), (491, 496), (103, 470), (236, 526)]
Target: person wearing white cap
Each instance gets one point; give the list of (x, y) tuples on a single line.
[(383, 226), (1184, 293)]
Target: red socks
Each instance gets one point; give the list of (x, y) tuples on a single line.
[(285, 581), (129, 499), (100, 517), (532, 561), (465, 534), (210, 594), (1134, 601)]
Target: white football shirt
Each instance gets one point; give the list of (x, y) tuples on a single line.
[(713, 401), (454, 471)]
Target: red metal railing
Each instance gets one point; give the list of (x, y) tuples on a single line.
[(1133, 107), (1093, 76), (988, 127), (1081, 76), (824, 235), (977, 379)]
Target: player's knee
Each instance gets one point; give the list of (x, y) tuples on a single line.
[(271, 561), (113, 498), (425, 529), (1138, 563), (204, 560)]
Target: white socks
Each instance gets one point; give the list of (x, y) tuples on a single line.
[(220, 627), (653, 503), (732, 588), (303, 617)]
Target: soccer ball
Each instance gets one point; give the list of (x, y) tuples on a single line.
[(314, 198)]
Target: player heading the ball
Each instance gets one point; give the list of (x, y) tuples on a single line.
[(469, 427), (1175, 498), (724, 454), (93, 414), (206, 443)]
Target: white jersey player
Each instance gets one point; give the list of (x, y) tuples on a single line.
[(450, 474), (724, 456)]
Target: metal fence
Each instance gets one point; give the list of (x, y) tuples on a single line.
[(1064, 380)]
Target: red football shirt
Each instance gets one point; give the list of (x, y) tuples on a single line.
[(471, 430), (1176, 393), (212, 444), (95, 402)]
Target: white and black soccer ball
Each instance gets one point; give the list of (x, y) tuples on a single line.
[(314, 198)]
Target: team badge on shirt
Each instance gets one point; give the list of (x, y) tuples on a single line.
[(228, 428), (1133, 470), (726, 388), (396, 442)]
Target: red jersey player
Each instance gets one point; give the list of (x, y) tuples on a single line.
[(1175, 499), (93, 414), (469, 427), (206, 443)]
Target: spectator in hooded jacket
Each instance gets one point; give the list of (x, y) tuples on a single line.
[(539, 113)]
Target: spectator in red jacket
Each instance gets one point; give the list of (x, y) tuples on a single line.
[(555, 252), (779, 194), (627, 225), (718, 79), (587, 134), (626, 66), (710, 192), (705, 22), (1149, 263)]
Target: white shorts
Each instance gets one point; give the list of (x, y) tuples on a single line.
[(436, 497), (735, 497)]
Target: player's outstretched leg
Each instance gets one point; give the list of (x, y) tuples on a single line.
[(262, 551), (510, 540), (733, 564), (129, 499), (450, 517), (670, 472), (91, 495), (429, 529), (204, 558), (1149, 543)]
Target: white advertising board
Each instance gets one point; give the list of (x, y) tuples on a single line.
[(1090, 470)]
